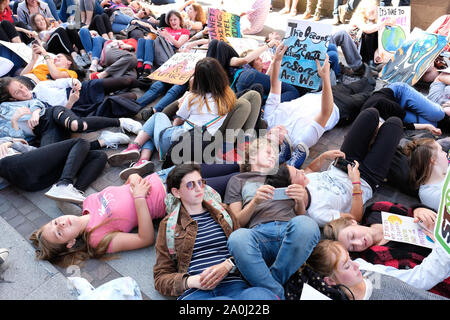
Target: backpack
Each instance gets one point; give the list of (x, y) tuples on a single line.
[(163, 51), (173, 206)]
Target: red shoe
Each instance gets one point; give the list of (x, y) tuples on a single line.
[(129, 154)]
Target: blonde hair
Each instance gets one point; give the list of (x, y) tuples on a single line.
[(252, 149), (361, 14), (62, 256), (332, 229)]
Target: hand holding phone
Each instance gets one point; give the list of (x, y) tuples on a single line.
[(280, 194), (342, 164)]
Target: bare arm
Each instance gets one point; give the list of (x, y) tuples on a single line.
[(327, 94), (356, 211)]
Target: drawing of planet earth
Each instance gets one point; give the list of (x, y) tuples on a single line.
[(392, 38)]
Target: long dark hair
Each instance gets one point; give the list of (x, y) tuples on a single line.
[(419, 154), (210, 77), (280, 179), (4, 90)]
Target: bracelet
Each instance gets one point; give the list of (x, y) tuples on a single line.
[(141, 197), (46, 57), (356, 193), (186, 287), (357, 182)]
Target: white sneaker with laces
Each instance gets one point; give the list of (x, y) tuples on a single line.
[(3, 255), (130, 125), (113, 139), (65, 193)]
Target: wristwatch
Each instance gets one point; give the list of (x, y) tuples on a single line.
[(233, 266)]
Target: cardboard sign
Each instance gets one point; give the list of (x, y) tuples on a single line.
[(391, 38), (223, 24), (416, 54), (404, 229), (306, 41), (442, 228), (179, 68), (24, 52)]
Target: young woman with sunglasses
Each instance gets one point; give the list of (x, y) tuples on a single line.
[(105, 224), (198, 266)]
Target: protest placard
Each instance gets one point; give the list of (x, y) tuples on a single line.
[(404, 229), (442, 228), (223, 24), (416, 54), (306, 41), (179, 68), (390, 38)]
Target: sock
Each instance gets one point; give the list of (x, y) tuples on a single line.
[(140, 64), (147, 67)]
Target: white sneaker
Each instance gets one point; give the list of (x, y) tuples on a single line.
[(113, 139), (65, 193), (3, 255), (130, 125)]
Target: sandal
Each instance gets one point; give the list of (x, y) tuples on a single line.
[(293, 12), (284, 10)]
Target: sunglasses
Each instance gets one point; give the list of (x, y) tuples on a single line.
[(191, 184)]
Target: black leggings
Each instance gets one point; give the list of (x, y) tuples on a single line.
[(57, 162), (7, 31), (101, 24), (374, 158), (58, 122), (62, 41)]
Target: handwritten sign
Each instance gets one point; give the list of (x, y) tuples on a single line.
[(306, 41), (179, 68), (414, 57), (223, 24), (442, 228), (404, 229), (390, 38)]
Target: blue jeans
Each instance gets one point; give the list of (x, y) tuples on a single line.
[(247, 77), (351, 54), (121, 21), (418, 108), (269, 253), (93, 46), (145, 51), (237, 290), (160, 140), (159, 2), (52, 8), (334, 58), (157, 89)]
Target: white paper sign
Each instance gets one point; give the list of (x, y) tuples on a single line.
[(23, 51), (403, 229), (309, 293)]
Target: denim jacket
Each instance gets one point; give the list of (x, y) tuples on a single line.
[(7, 110)]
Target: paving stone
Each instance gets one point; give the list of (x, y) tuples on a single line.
[(16, 221)]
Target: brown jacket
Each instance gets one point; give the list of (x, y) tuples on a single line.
[(169, 274)]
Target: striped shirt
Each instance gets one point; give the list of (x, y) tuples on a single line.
[(210, 248)]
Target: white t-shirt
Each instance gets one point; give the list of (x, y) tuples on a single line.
[(53, 92), (331, 194), (298, 117), (430, 194), (203, 117)]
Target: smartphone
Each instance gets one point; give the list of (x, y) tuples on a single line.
[(34, 42), (280, 194), (342, 164)]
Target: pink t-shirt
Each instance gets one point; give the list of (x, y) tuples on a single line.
[(117, 203), (177, 33)]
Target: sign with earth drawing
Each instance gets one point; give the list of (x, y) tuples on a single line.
[(390, 38)]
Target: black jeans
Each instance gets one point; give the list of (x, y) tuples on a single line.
[(62, 161), (374, 158), (62, 41), (56, 124), (7, 31), (101, 24)]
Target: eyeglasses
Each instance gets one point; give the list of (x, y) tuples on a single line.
[(191, 184)]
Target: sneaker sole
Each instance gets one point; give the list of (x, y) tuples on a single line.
[(149, 167), (118, 159), (60, 198)]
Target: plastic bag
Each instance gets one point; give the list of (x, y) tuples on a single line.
[(124, 288)]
